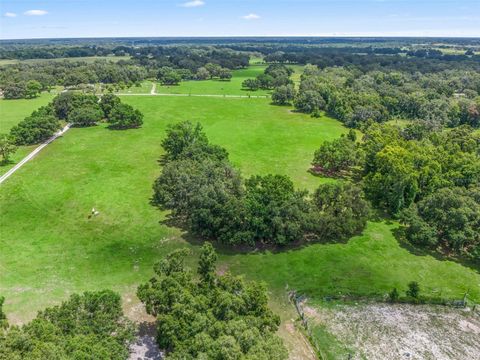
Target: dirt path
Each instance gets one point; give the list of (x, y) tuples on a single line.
[(154, 88), (299, 347), (32, 154)]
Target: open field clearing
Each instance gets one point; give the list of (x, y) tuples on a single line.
[(51, 247), (233, 87), (14, 111), (144, 88), (386, 331)]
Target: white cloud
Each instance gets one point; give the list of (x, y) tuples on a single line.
[(35, 12), (10, 14), (193, 3), (251, 17)]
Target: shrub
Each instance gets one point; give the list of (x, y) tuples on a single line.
[(413, 290), (124, 116)]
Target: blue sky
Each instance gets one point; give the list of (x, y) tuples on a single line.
[(110, 18)]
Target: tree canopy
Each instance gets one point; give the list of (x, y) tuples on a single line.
[(209, 316), (87, 326)]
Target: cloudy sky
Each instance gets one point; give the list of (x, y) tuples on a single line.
[(107, 18)]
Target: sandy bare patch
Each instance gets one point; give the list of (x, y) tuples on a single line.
[(385, 331), (298, 346), (222, 269)]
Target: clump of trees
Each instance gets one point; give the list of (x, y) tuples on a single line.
[(430, 182), (87, 326), (208, 195), (124, 116), (445, 98), (168, 76), (85, 116), (283, 94), (275, 77), (399, 172), (37, 127), (76, 108), (448, 218), (338, 156), (207, 316), (22, 90)]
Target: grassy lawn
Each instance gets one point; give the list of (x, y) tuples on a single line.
[(51, 248), (368, 265), (14, 111), (232, 87)]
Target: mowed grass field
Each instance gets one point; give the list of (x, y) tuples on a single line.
[(144, 88), (51, 248), (14, 111)]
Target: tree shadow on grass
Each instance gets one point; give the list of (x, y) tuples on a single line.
[(399, 234), (6, 162), (258, 248)]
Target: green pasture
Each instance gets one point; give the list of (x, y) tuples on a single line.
[(14, 111), (220, 87), (368, 265), (51, 248), (144, 88)]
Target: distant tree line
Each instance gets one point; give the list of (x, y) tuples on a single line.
[(169, 65), (27, 80), (206, 194), (171, 76), (434, 100)]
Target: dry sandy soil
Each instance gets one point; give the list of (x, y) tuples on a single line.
[(385, 331)]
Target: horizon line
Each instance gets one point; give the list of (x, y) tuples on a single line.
[(251, 37)]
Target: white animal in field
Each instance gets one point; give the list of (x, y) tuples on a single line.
[(95, 212)]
